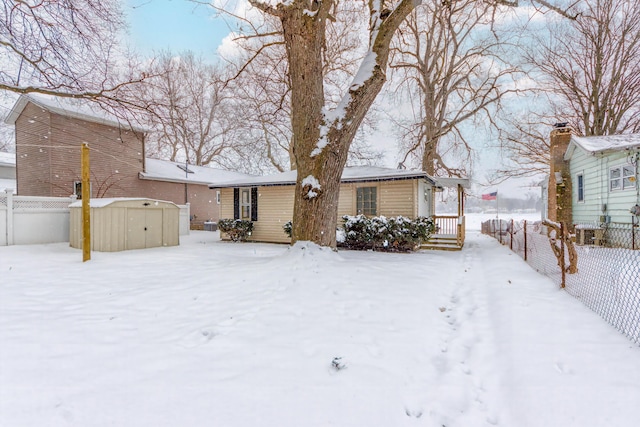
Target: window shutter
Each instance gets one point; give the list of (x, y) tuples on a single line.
[(236, 203), (254, 203)]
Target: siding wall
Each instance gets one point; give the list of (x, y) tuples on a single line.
[(275, 205), (596, 188)]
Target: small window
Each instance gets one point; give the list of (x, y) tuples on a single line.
[(77, 189), (580, 188), (218, 197), (245, 203), (367, 201), (622, 178)]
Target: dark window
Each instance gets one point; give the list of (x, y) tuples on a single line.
[(367, 200), (581, 188), (77, 189)]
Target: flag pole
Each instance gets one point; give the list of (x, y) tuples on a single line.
[(497, 207)]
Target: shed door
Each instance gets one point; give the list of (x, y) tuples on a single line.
[(144, 228), (153, 232), (136, 228)]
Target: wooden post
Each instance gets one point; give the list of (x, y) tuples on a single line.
[(511, 236), (86, 210), (525, 239)]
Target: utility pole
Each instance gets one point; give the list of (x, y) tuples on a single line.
[(86, 210)]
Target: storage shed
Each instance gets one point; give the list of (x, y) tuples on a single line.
[(126, 223)]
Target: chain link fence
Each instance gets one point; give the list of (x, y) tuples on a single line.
[(607, 279)]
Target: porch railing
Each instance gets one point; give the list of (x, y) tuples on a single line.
[(451, 226)]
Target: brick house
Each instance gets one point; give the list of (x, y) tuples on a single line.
[(49, 132)]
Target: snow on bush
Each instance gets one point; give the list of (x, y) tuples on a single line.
[(238, 230), (399, 234)]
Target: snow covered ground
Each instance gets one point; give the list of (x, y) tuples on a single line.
[(220, 334)]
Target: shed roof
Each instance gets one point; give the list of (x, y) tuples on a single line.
[(70, 107), (164, 170), (603, 144), (350, 174)]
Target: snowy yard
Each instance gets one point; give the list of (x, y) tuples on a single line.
[(221, 334)]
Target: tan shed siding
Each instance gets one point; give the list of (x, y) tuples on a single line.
[(397, 198)]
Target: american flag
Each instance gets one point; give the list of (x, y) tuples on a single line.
[(490, 196)]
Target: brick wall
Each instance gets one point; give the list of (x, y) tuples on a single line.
[(48, 155), (48, 162)]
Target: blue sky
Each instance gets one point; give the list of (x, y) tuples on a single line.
[(179, 25)]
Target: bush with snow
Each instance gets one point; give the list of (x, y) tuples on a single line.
[(238, 230), (397, 234)]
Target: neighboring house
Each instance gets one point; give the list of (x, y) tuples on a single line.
[(373, 191), (604, 175), (49, 132), (7, 171)]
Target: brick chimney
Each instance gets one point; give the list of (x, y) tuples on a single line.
[(560, 202)]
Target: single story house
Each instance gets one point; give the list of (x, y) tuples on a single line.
[(373, 191), (49, 132), (604, 174)]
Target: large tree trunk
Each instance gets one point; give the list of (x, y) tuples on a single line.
[(322, 139)]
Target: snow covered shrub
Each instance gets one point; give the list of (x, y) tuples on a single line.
[(238, 230), (358, 233), (288, 228), (386, 234)]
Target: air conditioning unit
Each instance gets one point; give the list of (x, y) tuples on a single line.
[(605, 219), (589, 236)]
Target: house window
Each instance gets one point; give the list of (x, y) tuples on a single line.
[(580, 187), (367, 200), (77, 189), (622, 177), (245, 203), (218, 197)]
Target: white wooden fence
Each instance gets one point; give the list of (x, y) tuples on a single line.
[(28, 220)]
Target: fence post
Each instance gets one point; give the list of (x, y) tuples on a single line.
[(511, 236), (9, 217), (562, 269), (525, 239)]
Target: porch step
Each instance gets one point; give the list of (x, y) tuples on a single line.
[(442, 242), (441, 246)]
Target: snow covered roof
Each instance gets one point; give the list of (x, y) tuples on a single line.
[(101, 203), (69, 107), (350, 174), (7, 159), (603, 144), (164, 170)]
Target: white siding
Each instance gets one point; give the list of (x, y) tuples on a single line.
[(596, 188)]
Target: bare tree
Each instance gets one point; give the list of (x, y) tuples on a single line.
[(262, 86), (588, 70), (192, 114), (448, 61), (591, 66), (64, 48), (323, 131)]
